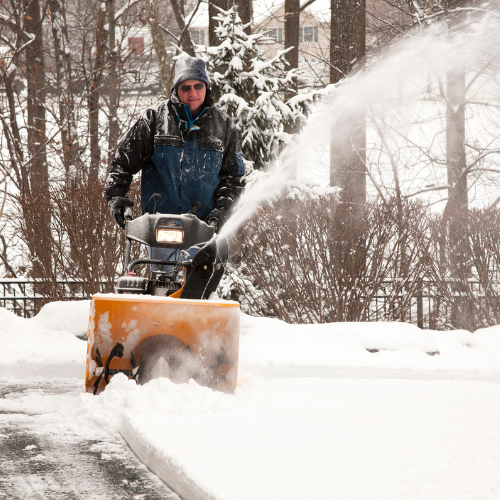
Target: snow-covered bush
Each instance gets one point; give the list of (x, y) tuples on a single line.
[(257, 92)]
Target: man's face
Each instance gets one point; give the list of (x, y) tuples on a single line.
[(192, 97)]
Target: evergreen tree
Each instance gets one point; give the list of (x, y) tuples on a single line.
[(253, 90)]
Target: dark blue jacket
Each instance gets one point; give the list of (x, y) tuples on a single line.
[(182, 159)]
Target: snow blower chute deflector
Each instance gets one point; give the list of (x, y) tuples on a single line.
[(163, 326)]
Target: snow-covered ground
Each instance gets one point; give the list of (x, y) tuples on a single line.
[(351, 411)]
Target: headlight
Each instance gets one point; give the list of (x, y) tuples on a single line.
[(169, 235)]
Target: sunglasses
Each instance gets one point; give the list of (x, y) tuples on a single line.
[(196, 86)]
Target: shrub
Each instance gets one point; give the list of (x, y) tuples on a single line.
[(318, 260), (84, 244), (467, 269)]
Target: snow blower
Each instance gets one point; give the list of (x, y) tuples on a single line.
[(164, 326)]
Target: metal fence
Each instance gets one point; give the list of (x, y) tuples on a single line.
[(26, 297), (432, 309), (426, 309), (423, 310)]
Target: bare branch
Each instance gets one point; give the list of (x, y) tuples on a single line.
[(125, 8), (3, 256), (385, 22), (306, 4), (436, 188), (153, 22), (190, 20)]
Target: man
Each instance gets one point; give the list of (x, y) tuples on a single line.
[(188, 151)]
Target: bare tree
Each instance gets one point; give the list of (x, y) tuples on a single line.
[(35, 77), (113, 83), (94, 92), (33, 196), (67, 65), (65, 87), (456, 209)]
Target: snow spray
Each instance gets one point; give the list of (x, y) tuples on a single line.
[(389, 82)]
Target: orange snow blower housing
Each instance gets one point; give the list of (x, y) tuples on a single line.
[(164, 326)]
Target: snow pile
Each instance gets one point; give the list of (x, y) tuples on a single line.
[(272, 348), (71, 316), (46, 345), (298, 436)]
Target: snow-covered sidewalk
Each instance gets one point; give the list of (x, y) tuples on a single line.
[(352, 411), (322, 439)]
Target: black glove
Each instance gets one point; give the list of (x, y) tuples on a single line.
[(117, 206), (216, 218)]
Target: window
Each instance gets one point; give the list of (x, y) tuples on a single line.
[(198, 37), (137, 75), (275, 33), (308, 34), (136, 44)]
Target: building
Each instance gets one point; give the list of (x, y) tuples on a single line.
[(314, 40)]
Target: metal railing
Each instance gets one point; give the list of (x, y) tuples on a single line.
[(426, 309), (26, 297), (421, 311), (431, 307)]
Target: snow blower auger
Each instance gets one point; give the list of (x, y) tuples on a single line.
[(163, 326)]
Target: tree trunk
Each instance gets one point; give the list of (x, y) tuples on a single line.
[(347, 41), (73, 136), (348, 146), (35, 76), (212, 24), (245, 11), (94, 94), (64, 85), (348, 157), (292, 23), (114, 83), (160, 49), (35, 200), (185, 41), (457, 206), (456, 210)]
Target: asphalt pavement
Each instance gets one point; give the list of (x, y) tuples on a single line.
[(46, 466)]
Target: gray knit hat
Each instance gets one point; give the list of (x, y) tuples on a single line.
[(190, 68)]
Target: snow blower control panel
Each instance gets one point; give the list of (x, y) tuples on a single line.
[(168, 232)]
